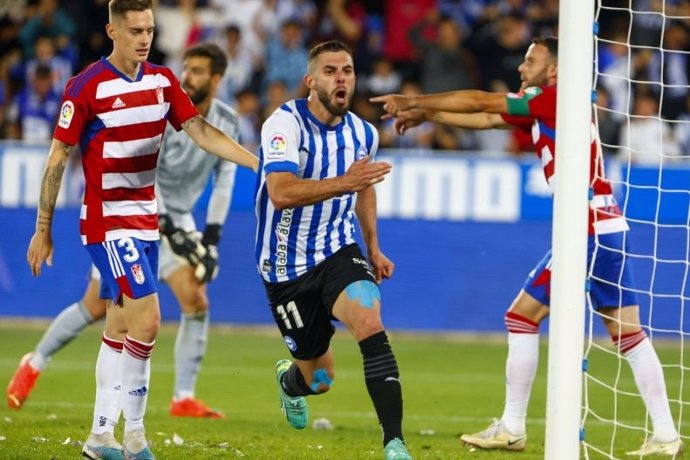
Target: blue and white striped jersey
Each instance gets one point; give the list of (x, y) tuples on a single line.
[(293, 241)]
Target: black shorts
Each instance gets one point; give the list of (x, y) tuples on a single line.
[(302, 308)]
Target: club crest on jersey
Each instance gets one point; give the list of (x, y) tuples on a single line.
[(138, 274), (290, 342), (159, 95), (277, 146), (66, 114), (361, 153)]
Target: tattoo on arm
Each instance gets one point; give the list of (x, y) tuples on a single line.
[(50, 187), (189, 122)]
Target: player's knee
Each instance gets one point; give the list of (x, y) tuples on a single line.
[(627, 341), (321, 380), (520, 324), (195, 301), (368, 326), (95, 307), (365, 293), (147, 325)]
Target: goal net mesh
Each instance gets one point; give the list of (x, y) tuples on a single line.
[(642, 111)]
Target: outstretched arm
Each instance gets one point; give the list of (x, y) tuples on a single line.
[(214, 141), (463, 101), (411, 118), (41, 245)]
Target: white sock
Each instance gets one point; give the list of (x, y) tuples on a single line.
[(521, 368), (64, 328), (135, 369), (106, 412), (649, 377), (190, 348)]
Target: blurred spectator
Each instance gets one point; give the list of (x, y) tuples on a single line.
[(241, 13), (465, 13), (645, 138), (305, 12), (347, 21), (647, 22), (34, 110), (276, 95), (91, 37), (50, 20), (445, 65), (248, 106), (400, 17), (2, 109), (384, 78), (449, 138), (614, 59), (418, 138), (365, 109), (178, 27), (608, 123), (240, 70), (286, 58), (500, 48), (45, 55), (269, 18), (671, 67), (682, 130)]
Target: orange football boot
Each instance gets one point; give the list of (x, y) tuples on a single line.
[(192, 407), (23, 381)]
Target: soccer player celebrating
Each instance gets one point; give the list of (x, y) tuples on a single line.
[(117, 109), (183, 169), (533, 109), (316, 174)]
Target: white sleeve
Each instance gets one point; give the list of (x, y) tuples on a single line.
[(375, 142), (280, 139)]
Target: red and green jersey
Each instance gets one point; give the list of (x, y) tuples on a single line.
[(534, 110)]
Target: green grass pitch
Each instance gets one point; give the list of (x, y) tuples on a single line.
[(451, 386)]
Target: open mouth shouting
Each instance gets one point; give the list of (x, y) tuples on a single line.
[(340, 96)]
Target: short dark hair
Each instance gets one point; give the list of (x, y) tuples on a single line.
[(121, 7), (551, 43), (330, 46), (219, 61)]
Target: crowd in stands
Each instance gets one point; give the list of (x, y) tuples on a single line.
[(407, 46)]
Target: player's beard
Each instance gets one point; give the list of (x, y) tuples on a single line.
[(333, 109), (197, 95)]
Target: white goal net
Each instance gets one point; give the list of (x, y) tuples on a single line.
[(642, 110)]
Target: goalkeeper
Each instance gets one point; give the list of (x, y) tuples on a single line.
[(188, 259), (533, 110)]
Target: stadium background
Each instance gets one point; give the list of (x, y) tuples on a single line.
[(464, 215)]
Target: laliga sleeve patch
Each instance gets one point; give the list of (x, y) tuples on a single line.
[(66, 114), (277, 146)]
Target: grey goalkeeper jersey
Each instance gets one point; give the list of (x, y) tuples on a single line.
[(184, 170)]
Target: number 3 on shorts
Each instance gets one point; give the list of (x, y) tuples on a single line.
[(132, 253), (290, 309)]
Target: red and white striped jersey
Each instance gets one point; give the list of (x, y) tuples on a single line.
[(534, 110), (119, 125)]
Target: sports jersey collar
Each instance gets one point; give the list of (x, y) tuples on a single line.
[(304, 110), (123, 76)]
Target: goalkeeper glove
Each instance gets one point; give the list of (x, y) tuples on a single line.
[(184, 244), (207, 268)]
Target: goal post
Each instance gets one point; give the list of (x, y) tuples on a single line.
[(569, 245), (607, 400)]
